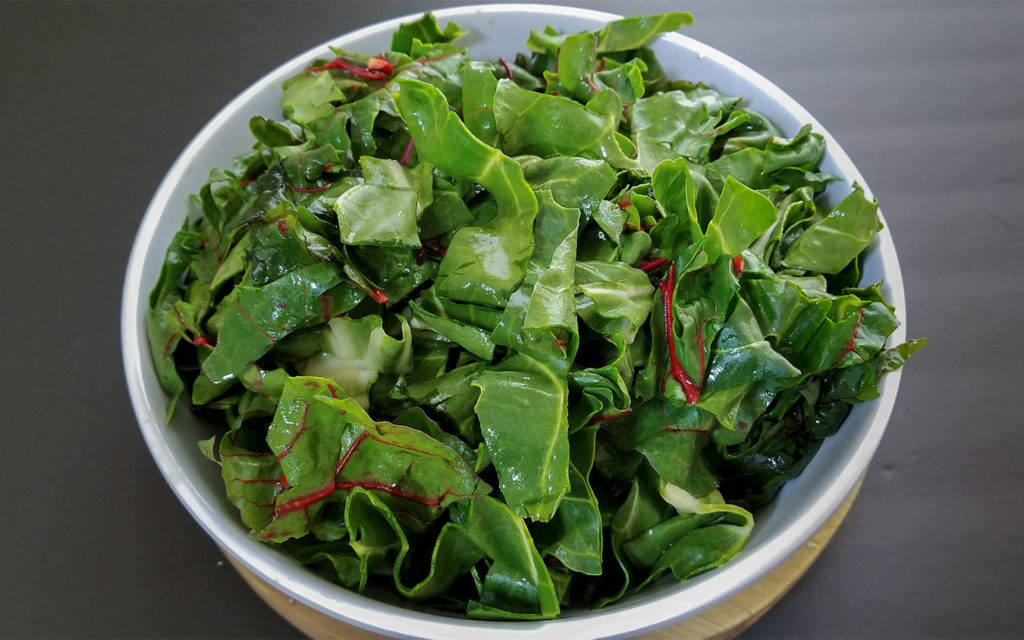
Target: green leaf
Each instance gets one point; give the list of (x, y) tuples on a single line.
[(454, 555), (577, 183), (375, 535), (483, 264), (363, 114), (391, 173), (337, 554), (693, 309), (453, 395), (260, 316), (830, 243), (331, 130), (164, 338), (615, 298), (687, 121), (308, 96), (251, 479), (396, 271), (575, 63), (426, 29), (705, 535), (754, 133), (603, 393), (353, 353), (540, 318), (447, 213), (442, 139), (859, 382), (275, 134), (745, 166), (803, 152), (642, 509), (478, 87), (582, 76), (611, 219), (740, 360), (383, 216), (741, 216), (523, 418), (675, 190), (525, 118), (574, 533), (517, 584), (473, 339), (784, 312), (417, 419), (672, 438), (327, 444), (635, 32), (472, 314), (307, 439), (280, 245)]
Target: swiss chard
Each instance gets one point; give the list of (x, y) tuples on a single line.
[(517, 335)]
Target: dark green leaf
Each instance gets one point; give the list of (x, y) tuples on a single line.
[(574, 533), (523, 417), (260, 316)]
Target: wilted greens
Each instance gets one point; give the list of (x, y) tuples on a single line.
[(519, 335)]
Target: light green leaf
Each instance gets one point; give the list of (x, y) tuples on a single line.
[(375, 215), (741, 216), (830, 243), (483, 264), (355, 352), (616, 298), (544, 125)]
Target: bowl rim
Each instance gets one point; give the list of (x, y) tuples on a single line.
[(362, 611)]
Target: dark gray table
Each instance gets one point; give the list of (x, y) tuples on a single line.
[(98, 100)]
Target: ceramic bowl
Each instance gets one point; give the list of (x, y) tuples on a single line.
[(802, 507)]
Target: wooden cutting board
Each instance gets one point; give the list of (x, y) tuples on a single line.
[(723, 621)]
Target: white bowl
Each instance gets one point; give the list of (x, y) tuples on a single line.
[(802, 507)]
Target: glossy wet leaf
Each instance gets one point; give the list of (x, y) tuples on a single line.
[(538, 124), (483, 264), (523, 418), (260, 316), (831, 242)]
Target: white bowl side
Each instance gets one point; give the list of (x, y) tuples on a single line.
[(802, 507)]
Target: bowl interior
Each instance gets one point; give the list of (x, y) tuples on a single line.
[(802, 507)]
